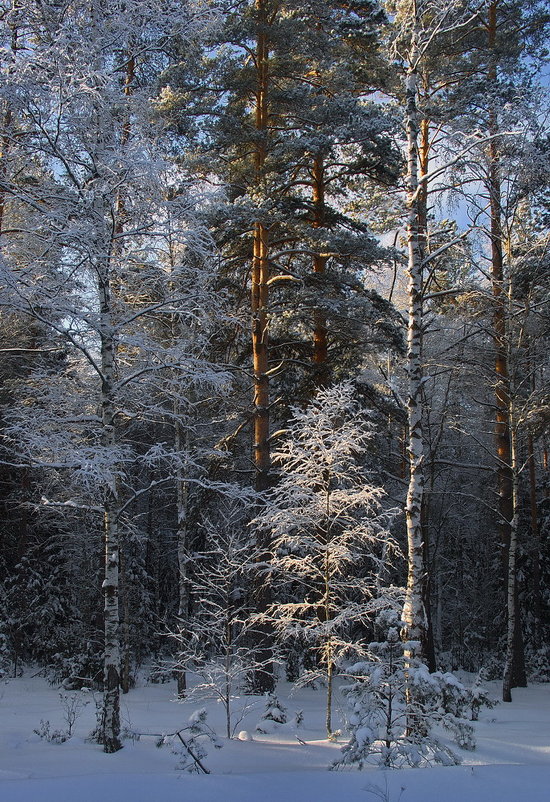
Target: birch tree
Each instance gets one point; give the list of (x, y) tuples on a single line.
[(417, 26), (103, 213)]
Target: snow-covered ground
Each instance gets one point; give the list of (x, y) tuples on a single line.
[(511, 762)]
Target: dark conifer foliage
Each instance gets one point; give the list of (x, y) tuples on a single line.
[(207, 212)]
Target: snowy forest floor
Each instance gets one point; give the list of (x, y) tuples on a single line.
[(511, 762)]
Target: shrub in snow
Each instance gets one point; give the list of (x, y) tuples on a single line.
[(52, 736), (479, 696), (83, 669), (73, 705), (538, 664), (220, 649), (191, 743), (393, 705), (275, 717)]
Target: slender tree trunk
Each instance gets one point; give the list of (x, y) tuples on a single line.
[(126, 646), (111, 668), (116, 671), (535, 545), (260, 277), (503, 434), (182, 494), (5, 142), (327, 612), (227, 667), (414, 616), (320, 333), (546, 469), (263, 677), (428, 646), (535, 542), (510, 669), (129, 81), (260, 268)]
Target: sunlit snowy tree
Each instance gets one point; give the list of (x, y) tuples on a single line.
[(332, 548)]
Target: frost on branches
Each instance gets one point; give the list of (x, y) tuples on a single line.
[(330, 541), (394, 704)]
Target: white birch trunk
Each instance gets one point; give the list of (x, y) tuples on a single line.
[(413, 610), (182, 493), (511, 590), (111, 665), (327, 596)]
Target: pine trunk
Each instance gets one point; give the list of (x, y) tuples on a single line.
[(535, 543), (262, 680), (503, 434), (320, 338)]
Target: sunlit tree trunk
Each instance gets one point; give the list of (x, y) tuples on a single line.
[(263, 678), (428, 647), (5, 141), (320, 333), (260, 267), (512, 606), (414, 616)]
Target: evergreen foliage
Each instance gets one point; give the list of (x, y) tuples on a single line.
[(202, 209), (394, 703)]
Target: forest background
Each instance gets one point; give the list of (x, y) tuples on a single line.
[(274, 340)]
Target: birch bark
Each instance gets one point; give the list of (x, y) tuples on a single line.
[(413, 609), (511, 590), (111, 665)]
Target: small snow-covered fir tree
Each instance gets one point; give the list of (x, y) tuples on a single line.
[(275, 717), (394, 703), (479, 696), (331, 544)]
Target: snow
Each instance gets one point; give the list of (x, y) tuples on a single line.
[(511, 762)]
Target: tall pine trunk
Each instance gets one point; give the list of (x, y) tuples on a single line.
[(512, 606), (320, 333), (263, 676), (6, 138), (515, 665)]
